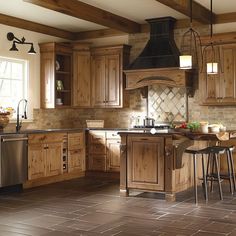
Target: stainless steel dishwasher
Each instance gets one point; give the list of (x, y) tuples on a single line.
[(13, 149)]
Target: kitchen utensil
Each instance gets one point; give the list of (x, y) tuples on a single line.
[(148, 122)]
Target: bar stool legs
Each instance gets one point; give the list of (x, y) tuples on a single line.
[(230, 150), (213, 160), (204, 179), (195, 177)]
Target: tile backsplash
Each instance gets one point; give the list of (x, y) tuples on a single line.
[(166, 104)]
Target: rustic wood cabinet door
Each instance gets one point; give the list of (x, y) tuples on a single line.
[(36, 161), (146, 163), (113, 84), (99, 80), (220, 89), (76, 160), (47, 88), (54, 158), (113, 155), (76, 152), (81, 79)]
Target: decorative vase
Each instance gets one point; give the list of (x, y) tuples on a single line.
[(4, 120)]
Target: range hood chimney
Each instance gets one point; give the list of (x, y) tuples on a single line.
[(161, 50), (159, 60)]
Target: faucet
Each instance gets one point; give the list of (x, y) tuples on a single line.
[(18, 122)]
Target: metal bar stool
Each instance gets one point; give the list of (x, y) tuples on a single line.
[(230, 166), (212, 154)]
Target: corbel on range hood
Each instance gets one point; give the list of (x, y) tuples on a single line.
[(159, 60)]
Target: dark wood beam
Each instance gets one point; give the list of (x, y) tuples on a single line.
[(39, 28), (199, 13), (90, 13), (225, 18)]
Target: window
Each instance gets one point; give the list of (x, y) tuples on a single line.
[(13, 82)]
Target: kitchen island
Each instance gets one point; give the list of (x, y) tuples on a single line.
[(148, 162), (157, 162)]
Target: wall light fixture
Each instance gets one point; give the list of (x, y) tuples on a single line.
[(12, 37)]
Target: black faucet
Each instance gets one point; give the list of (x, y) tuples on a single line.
[(18, 122)]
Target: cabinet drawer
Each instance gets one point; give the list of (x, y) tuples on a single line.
[(112, 135), (97, 162), (46, 137), (75, 140)]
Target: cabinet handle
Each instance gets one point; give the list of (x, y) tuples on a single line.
[(144, 139), (118, 141)]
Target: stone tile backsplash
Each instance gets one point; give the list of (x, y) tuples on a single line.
[(167, 104)]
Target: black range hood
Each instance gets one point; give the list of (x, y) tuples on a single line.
[(158, 63), (161, 50)]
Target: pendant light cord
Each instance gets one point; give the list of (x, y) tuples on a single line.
[(191, 13), (211, 19)]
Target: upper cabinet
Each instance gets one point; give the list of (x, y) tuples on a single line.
[(220, 89), (56, 75), (107, 79), (81, 75)]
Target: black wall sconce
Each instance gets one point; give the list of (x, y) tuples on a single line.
[(11, 37)]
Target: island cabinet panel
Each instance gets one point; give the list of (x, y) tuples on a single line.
[(146, 163), (220, 89)]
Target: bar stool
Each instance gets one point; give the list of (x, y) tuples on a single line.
[(212, 153), (230, 165)]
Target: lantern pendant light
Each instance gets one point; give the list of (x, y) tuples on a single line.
[(190, 46)]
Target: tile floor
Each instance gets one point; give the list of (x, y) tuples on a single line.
[(93, 207)]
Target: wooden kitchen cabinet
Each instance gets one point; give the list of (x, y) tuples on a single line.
[(104, 151), (81, 75), (55, 75), (97, 150), (45, 155), (113, 151), (36, 161), (220, 89), (107, 65), (76, 152), (146, 163)]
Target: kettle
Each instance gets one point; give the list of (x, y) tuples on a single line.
[(148, 122)]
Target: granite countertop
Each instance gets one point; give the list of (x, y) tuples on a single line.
[(33, 131)]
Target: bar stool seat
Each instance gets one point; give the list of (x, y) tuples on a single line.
[(212, 153)]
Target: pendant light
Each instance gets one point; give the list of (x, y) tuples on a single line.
[(190, 46), (211, 53)]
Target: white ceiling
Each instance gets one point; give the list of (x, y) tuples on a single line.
[(136, 10)]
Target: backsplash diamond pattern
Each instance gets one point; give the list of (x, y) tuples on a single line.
[(167, 104)]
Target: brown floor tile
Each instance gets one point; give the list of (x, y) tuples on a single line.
[(92, 207)]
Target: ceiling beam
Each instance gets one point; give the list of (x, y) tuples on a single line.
[(39, 28), (90, 13), (199, 13)]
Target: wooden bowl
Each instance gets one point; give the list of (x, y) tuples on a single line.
[(4, 120)]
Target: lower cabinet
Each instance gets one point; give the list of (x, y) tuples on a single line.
[(76, 152), (57, 155), (113, 155), (45, 155), (103, 151), (145, 163)]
